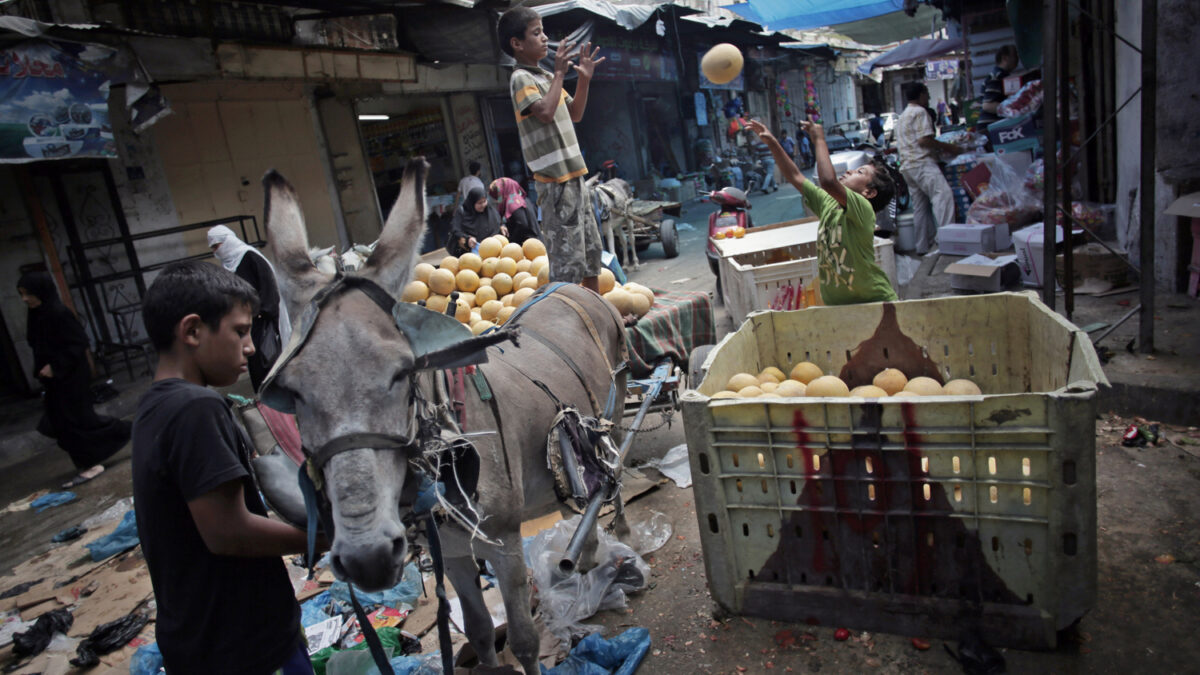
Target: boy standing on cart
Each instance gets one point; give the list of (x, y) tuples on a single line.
[(846, 206)]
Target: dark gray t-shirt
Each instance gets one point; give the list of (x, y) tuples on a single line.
[(216, 614)]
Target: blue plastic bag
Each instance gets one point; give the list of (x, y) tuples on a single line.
[(312, 611), (51, 500), (123, 538), (596, 656), (404, 593), (147, 660)]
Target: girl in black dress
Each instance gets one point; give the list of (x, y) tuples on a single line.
[(60, 363)]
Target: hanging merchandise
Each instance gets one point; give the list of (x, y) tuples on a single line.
[(783, 99), (812, 104), (701, 103)]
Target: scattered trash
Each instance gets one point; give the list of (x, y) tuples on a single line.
[(109, 514), (920, 644), (395, 642), (10, 623), (51, 500), (35, 640), (147, 660), (1139, 436), (649, 535), (567, 600), (121, 539), (685, 227), (674, 465), (841, 634), (906, 269), (975, 657), (323, 633), (20, 588), (684, 280), (1165, 559), (69, 534), (404, 593), (108, 638), (594, 655)]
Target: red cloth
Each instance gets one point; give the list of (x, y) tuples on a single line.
[(283, 428)]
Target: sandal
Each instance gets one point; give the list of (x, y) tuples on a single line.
[(84, 476)]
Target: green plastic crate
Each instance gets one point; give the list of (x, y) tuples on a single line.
[(909, 516)]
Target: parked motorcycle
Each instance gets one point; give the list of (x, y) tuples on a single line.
[(732, 213)]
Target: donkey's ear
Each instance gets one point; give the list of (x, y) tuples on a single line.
[(392, 261), (287, 244)]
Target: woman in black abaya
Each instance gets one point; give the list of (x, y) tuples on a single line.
[(474, 220), (61, 364)]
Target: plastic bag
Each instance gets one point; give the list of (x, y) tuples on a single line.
[(674, 465), (51, 500), (649, 535), (114, 512), (1006, 199), (404, 593), (567, 600), (35, 640), (1090, 216), (968, 140), (147, 660), (123, 538), (595, 656), (108, 638), (1028, 99)]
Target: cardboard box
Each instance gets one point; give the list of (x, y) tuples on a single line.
[(1015, 133), (1030, 247), (1093, 261), (970, 238), (988, 274)]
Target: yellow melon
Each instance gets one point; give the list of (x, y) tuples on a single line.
[(485, 293), (466, 280), (533, 248), (475, 317), (890, 380), (449, 263), (750, 392), (502, 239), (779, 375), (805, 372), (538, 263), (462, 311), (505, 266), (638, 288), (481, 326), (769, 394), (502, 283), (924, 386), (522, 296), (827, 385), (768, 386), (519, 277), (422, 271), (529, 282), (543, 276), (790, 387), (961, 387), (485, 281), (490, 309), (415, 290), (868, 391), (640, 305), (740, 381), (442, 281), (620, 299), (525, 265), (505, 312), (488, 267), (468, 298), (725, 393), (906, 394), (490, 248), (768, 377), (512, 251), (470, 261), (507, 300), (437, 302), (607, 280)]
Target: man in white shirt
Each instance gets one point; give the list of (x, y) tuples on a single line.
[(470, 181), (932, 200)]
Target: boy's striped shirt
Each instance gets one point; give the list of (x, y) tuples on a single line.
[(551, 150)]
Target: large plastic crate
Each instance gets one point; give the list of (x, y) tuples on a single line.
[(776, 268), (916, 517)]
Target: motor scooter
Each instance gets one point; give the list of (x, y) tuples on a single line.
[(732, 213)]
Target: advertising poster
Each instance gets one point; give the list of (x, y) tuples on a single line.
[(54, 102), (941, 69)]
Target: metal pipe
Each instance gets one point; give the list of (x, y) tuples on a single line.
[(1064, 119), (1117, 325), (1149, 171), (1049, 144)]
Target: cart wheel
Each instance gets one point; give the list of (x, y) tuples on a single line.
[(695, 360), (670, 238)]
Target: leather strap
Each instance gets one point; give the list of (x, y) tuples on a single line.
[(321, 456)]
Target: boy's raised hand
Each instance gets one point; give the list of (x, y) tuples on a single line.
[(588, 61), (814, 130), (760, 129), (562, 58)]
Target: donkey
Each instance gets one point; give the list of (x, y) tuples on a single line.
[(612, 199), (571, 341)]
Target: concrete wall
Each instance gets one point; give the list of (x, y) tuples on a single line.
[(452, 78), (348, 165), (607, 132)]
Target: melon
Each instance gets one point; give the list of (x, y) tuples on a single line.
[(538, 263), (481, 326), (468, 298), (485, 281), (906, 394), (890, 380), (437, 302), (722, 63), (502, 239), (791, 387), (638, 288), (462, 311), (475, 318), (519, 277), (521, 296), (725, 394), (442, 281), (768, 386), (490, 309), (507, 300), (470, 261), (512, 251), (490, 248), (505, 312), (768, 394), (529, 282), (543, 276), (485, 294), (750, 392), (607, 280), (779, 376), (826, 386), (415, 290), (488, 268), (924, 386), (640, 305), (502, 283), (525, 266), (506, 266), (768, 377), (620, 299), (533, 248), (741, 381), (422, 271), (449, 263), (962, 388), (466, 280), (805, 372), (868, 391)]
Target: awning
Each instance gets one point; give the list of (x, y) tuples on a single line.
[(822, 50), (913, 51), (628, 17), (866, 21)]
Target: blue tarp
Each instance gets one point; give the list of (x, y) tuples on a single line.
[(803, 14), (121, 539), (404, 593), (596, 656)]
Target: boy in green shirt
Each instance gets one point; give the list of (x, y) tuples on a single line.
[(846, 206)]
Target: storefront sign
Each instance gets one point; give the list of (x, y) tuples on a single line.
[(53, 102), (941, 69)]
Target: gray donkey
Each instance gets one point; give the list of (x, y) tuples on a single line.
[(612, 199), (353, 377)]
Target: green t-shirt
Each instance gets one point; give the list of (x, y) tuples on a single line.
[(846, 249)]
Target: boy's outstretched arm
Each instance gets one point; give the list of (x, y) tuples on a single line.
[(585, 69), (826, 177), (791, 173), (228, 528), (543, 108)]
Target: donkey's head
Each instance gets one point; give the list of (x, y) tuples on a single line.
[(350, 376)]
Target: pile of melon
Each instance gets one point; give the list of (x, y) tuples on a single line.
[(807, 379), (631, 298), (491, 284)]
